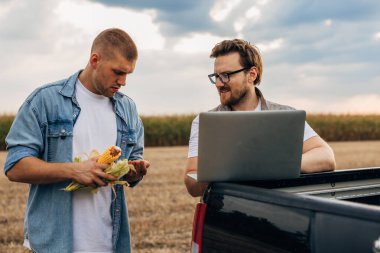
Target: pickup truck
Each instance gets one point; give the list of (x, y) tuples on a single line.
[(322, 212)]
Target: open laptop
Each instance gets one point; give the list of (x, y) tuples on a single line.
[(249, 145)]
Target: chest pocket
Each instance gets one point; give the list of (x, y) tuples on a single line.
[(59, 140), (128, 142)]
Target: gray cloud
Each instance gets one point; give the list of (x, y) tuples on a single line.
[(175, 17), (349, 36), (301, 12), (299, 23), (193, 16)]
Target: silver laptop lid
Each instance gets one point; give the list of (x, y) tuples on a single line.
[(249, 145)]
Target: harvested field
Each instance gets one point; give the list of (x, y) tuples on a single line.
[(160, 209)]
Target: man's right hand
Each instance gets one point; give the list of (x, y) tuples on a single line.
[(91, 173)]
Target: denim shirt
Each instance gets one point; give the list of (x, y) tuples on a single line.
[(43, 128)]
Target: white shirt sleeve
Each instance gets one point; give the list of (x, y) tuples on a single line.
[(309, 132), (193, 142)]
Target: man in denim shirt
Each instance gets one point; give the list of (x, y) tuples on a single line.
[(67, 118)]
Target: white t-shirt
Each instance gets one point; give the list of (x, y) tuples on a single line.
[(193, 142), (95, 129)]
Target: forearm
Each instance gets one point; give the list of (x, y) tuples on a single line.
[(194, 188), (35, 171), (318, 160)]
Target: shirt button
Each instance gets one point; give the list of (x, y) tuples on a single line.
[(63, 134)]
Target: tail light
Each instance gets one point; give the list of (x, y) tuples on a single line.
[(198, 223)]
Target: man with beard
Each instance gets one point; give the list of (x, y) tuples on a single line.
[(61, 120), (237, 73)]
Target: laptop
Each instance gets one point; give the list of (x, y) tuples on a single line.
[(250, 145)]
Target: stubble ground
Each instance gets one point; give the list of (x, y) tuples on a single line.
[(160, 209)]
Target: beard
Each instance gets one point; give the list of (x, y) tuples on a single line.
[(235, 98), (100, 88)]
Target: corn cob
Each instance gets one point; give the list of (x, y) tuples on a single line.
[(111, 154)]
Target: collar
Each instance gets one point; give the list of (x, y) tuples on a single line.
[(68, 89), (264, 105)]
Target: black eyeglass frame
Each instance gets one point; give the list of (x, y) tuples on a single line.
[(227, 75)]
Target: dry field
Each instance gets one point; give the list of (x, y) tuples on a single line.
[(160, 209)]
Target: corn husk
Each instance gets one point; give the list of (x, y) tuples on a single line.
[(118, 170)]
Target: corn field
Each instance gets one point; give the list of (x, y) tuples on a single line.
[(174, 130)]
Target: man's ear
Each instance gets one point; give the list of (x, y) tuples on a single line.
[(94, 60), (252, 75)]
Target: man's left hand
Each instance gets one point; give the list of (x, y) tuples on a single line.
[(141, 167)]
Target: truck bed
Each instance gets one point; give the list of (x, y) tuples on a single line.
[(322, 212)]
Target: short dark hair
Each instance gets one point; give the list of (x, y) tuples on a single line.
[(249, 54), (113, 39)]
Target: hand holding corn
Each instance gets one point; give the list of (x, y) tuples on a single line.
[(140, 169), (114, 170)]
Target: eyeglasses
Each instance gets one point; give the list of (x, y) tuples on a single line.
[(224, 77)]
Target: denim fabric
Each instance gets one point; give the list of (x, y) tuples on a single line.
[(43, 128)]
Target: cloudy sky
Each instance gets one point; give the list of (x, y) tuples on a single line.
[(318, 55)]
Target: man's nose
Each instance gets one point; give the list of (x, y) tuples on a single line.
[(122, 80), (219, 82)]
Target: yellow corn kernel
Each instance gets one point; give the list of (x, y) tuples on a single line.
[(111, 154)]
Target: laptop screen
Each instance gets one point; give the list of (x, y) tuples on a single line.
[(250, 145)]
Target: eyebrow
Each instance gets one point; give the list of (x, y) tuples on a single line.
[(119, 72)]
